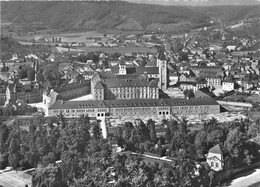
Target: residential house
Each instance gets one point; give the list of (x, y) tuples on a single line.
[(228, 85), (215, 158), (213, 80)]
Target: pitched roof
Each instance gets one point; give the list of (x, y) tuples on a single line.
[(153, 84), (216, 149), (161, 55), (126, 83), (99, 85), (148, 70)]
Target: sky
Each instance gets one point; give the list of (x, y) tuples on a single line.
[(198, 2)]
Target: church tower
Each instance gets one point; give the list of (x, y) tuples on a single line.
[(163, 73), (122, 67)]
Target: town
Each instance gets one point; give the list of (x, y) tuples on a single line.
[(148, 109)]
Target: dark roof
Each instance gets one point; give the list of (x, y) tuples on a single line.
[(132, 103), (188, 83), (161, 55), (126, 83), (200, 94), (148, 70), (216, 149), (72, 86), (153, 84), (131, 76), (99, 85)]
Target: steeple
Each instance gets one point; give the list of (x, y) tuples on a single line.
[(163, 72), (161, 55)]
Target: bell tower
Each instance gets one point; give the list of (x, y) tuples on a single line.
[(122, 67), (163, 73)]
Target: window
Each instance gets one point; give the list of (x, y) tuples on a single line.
[(212, 164), (216, 165)]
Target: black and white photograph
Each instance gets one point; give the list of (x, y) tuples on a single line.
[(130, 93)]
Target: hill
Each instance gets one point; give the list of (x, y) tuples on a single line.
[(118, 15)]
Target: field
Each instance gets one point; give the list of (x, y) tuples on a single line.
[(122, 50)]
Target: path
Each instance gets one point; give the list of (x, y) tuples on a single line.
[(248, 178)]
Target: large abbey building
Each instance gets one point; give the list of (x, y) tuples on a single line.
[(133, 92), (131, 82)]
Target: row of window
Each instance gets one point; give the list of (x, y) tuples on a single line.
[(133, 89), (122, 110)]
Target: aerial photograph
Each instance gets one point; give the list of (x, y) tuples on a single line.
[(130, 93)]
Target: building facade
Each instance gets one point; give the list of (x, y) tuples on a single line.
[(228, 86), (73, 90), (126, 89), (213, 80), (134, 107), (29, 94)]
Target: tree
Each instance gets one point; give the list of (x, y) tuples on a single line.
[(14, 156), (201, 80), (216, 137), (82, 58), (151, 126), (48, 159), (237, 147), (201, 144), (189, 94), (22, 73), (96, 131), (4, 133), (3, 160), (30, 74), (76, 134), (49, 176)]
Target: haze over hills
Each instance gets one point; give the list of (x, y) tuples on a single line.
[(120, 15), (198, 2)]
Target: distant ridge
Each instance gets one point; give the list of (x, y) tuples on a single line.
[(84, 15)]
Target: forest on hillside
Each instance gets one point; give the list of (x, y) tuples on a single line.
[(119, 15)]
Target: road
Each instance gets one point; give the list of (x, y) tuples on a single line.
[(250, 178), (15, 179)]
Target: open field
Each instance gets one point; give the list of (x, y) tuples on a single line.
[(122, 50)]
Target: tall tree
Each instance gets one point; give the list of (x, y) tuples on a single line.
[(14, 156), (151, 126)]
